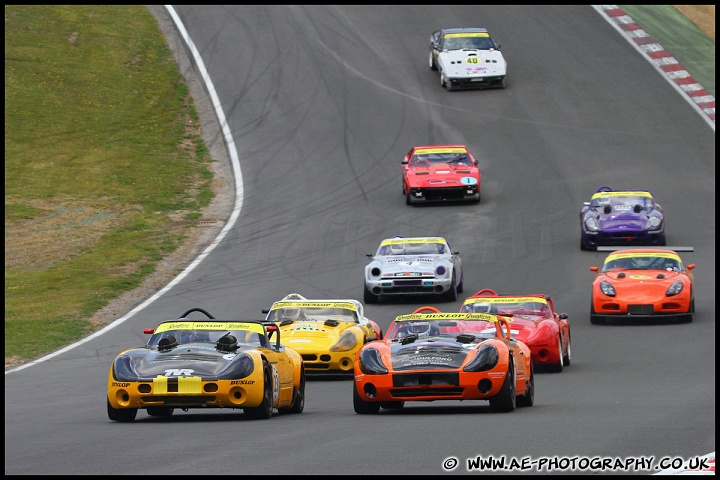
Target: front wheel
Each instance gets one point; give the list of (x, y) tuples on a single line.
[(160, 411), (369, 297), (505, 400), (594, 319), (361, 406), (124, 415)]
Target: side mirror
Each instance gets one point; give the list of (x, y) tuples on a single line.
[(593, 269)]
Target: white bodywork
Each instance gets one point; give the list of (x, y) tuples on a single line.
[(472, 64)]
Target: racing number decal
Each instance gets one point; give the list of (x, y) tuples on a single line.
[(468, 180), (473, 60), (276, 384), (306, 326)]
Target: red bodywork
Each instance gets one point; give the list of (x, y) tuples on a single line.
[(435, 173), (534, 322)]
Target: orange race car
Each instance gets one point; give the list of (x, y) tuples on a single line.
[(643, 283), (429, 355), (534, 322)]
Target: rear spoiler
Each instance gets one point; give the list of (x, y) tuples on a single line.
[(637, 247)]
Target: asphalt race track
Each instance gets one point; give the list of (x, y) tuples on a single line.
[(321, 103)]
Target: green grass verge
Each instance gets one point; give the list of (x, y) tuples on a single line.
[(681, 37), (104, 165)]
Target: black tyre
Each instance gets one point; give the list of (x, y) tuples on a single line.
[(568, 354), (265, 409), (593, 319), (558, 367), (392, 405), (361, 406), (124, 415), (431, 61), (298, 404), (528, 399), (461, 285), (160, 411), (369, 297), (452, 294), (505, 400)]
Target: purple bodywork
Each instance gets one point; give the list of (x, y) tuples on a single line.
[(621, 218)]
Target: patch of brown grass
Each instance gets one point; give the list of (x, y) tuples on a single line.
[(701, 15)]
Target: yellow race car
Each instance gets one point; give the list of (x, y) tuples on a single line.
[(327, 333), (209, 363)]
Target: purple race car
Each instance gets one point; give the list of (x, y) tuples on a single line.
[(621, 218)]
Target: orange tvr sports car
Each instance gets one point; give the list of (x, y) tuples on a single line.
[(429, 355), (643, 283), (534, 322)]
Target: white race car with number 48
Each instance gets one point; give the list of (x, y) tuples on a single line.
[(467, 58)]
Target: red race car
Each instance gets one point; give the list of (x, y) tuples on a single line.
[(440, 173), (643, 283), (534, 322), (429, 355)]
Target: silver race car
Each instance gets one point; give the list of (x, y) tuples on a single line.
[(413, 266), (467, 58)]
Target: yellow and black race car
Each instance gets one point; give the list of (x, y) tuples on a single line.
[(207, 363)]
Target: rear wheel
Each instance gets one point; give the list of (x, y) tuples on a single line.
[(558, 367), (124, 415), (264, 410), (452, 294), (568, 352), (298, 404), (505, 400), (361, 406), (528, 399)]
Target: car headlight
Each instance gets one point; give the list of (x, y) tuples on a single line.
[(440, 271), (371, 362), (242, 366), (347, 341), (486, 358), (654, 223), (591, 225), (607, 289), (375, 271), (124, 369), (674, 289)]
